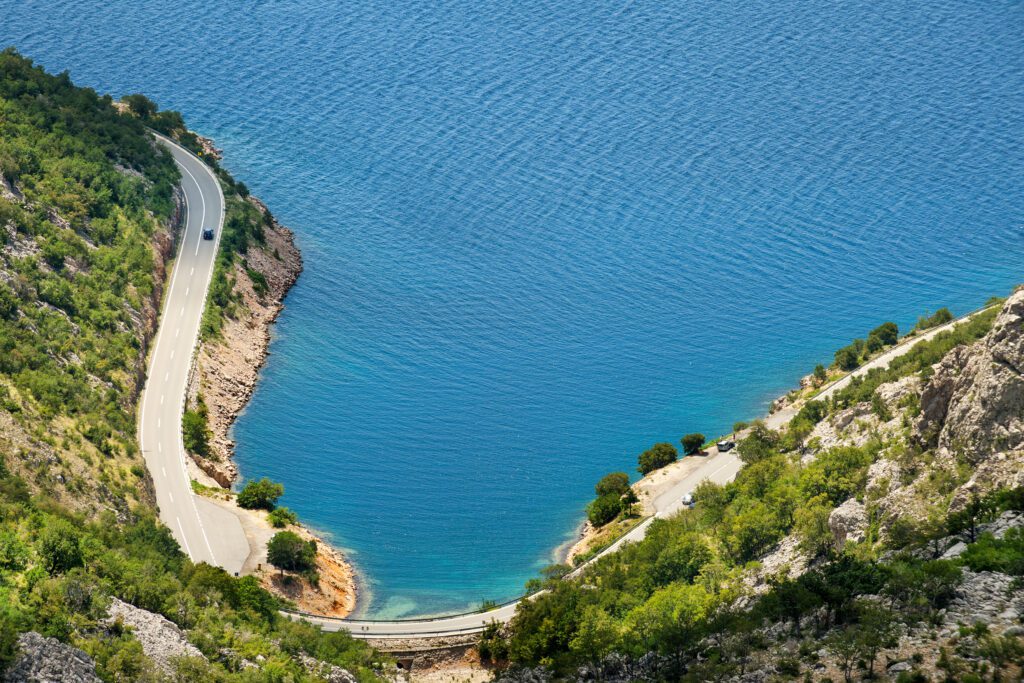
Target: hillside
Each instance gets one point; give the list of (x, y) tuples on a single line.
[(878, 536), (92, 586)]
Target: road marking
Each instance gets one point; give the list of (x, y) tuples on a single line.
[(171, 496), (192, 271), (163, 471), (158, 423), (161, 399), (167, 375), (182, 310), (172, 355), (177, 332), (187, 290), (159, 444), (184, 538), (202, 198)]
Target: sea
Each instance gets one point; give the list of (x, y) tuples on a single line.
[(541, 236)]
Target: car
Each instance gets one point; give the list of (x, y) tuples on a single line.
[(208, 234), (725, 445), (687, 500)]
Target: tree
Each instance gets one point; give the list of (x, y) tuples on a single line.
[(596, 635), (8, 303), (844, 647), (657, 456), (759, 444), (810, 522), (59, 548), (629, 500), (820, 374), (887, 333), (875, 631), (604, 509), (287, 551), (616, 482), (977, 510), (140, 105), (195, 431), (847, 358), (262, 494), (681, 559), (692, 443)]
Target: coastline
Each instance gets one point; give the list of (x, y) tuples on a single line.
[(225, 373)]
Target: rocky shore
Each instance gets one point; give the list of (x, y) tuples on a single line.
[(227, 368), (225, 374)]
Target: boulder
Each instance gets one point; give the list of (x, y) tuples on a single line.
[(848, 522)]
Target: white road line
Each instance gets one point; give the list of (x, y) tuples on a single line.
[(167, 375), (158, 425), (187, 290), (159, 444), (202, 220), (171, 496), (161, 399), (163, 471), (184, 538), (172, 355), (192, 271), (182, 310), (177, 332)]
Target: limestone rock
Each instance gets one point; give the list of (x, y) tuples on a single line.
[(47, 660), (973, 406), (161, 639), (986, 597), (892, 393), (848, 522)]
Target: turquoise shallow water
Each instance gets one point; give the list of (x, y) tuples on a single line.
[(539, 237)]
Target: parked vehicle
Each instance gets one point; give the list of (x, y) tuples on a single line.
[(208, 234), (687, 500), (726, 445)]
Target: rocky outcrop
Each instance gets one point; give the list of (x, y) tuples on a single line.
[(973, 406), (848, 522), (988, 598), (325, 670), (47, 660), (161, 639)]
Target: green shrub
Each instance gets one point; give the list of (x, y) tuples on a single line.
[(657, 456), (604, 509), (616, 482), (281, 517), (262, 494), (195, 430), (692, 443), (58, 547), (287, 551), (939, 317)]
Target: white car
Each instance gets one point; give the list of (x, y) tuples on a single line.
[(687, 500)]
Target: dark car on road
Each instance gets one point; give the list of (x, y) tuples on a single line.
[(208, 234)]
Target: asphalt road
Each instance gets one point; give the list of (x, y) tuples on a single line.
[(206, 532)]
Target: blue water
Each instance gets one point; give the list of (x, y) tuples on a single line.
[(541, 236)]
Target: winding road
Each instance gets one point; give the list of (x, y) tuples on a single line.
[(214, 535), (206, 532)]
